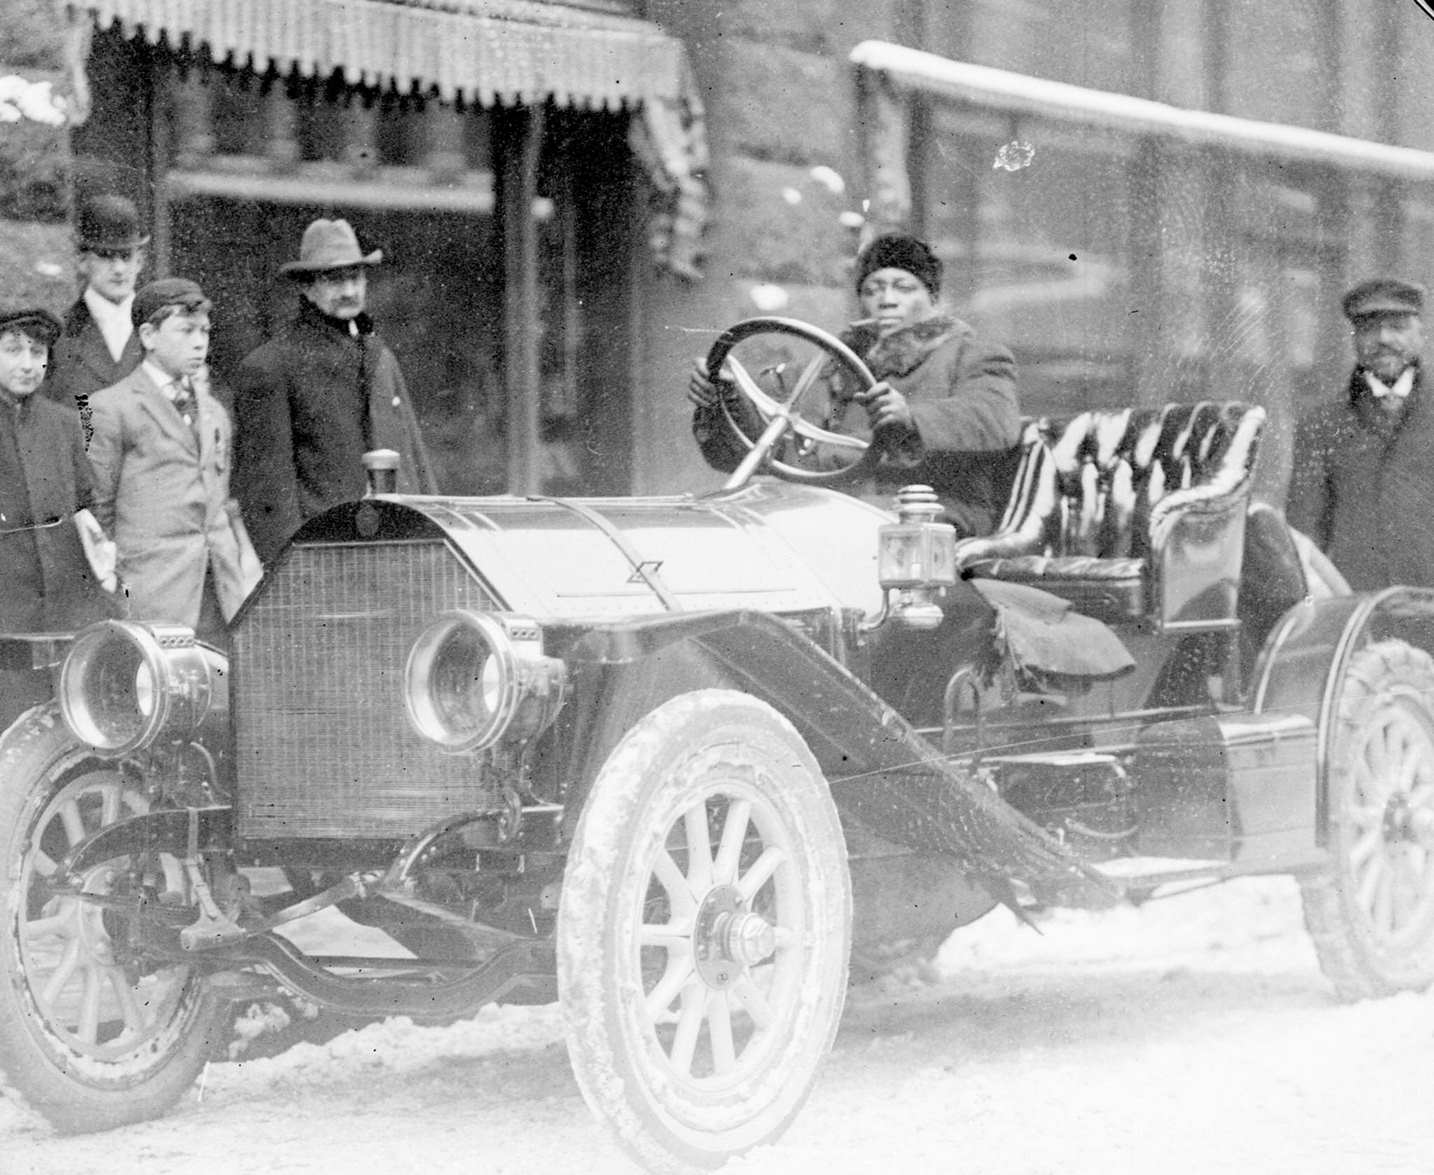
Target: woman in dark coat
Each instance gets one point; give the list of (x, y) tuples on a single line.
[(944, 411), (46, 581)]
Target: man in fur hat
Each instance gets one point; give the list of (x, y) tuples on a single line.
[(99, 346), (1362, 478), (310, 402), (944, 411)]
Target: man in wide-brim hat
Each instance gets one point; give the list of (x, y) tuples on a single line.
[(311, 401), (1362, 479), (99, 347)]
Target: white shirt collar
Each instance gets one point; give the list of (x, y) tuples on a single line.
[(166, 383), (113, 320), (1400, 387)]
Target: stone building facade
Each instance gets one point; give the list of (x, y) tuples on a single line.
[(1146, 200)]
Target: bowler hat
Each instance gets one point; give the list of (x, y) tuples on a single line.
[(328, 244), (167, 291), (900, 251), (108, 222), (1383, 295), (35, 321)]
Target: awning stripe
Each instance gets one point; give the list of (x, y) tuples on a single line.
[(501, 51)]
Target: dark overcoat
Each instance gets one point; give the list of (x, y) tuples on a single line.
[(961, 391), (80, 362), (46, 584), (307, 405), (1363, 485)]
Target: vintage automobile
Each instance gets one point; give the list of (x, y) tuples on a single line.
[(675, 762)]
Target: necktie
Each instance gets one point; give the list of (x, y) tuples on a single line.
[(185, 403)]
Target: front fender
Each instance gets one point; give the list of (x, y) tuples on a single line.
[(1302, 666), (880, 769)]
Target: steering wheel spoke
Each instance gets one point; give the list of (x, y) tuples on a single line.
[(791, 445)]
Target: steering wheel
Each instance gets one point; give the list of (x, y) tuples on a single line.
[(832, 456)]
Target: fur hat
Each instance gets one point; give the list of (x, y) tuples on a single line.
[(108, 224), (900, 251), (328, 244), (35, 321)]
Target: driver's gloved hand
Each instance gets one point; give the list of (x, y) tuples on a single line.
[(707, 393)]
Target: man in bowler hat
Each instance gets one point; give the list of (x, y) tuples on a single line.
[(1363, 479), (48, 581), (311, 401), (99, 346)]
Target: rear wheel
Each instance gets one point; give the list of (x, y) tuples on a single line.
[(92, 1033), (703, 931), (1371, 912)]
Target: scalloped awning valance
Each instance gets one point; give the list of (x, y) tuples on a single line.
[(475, 51)]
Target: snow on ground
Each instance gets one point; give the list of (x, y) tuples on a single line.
[(1193, 1035)]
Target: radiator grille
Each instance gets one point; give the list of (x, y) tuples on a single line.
[(324, 746)]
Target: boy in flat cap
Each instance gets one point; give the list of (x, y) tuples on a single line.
[(99, 346), (160, 454), (1362, 479), (313, 399), (944, 412), (47, 583)]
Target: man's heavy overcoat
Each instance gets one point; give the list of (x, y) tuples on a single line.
[(80, 361), (307, 405), (162, 494), (961, 391), (1363, 483)]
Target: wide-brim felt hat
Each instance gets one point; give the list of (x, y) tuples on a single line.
[(35, 321), (1383, 295), (108, 223), (329, 244)]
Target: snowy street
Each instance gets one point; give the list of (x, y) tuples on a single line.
[(1193, 1035)]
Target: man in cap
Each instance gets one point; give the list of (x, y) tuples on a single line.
[(47, 581), (311, 401), (98, 347), (160, 454), (943, 412), (1362, 479)]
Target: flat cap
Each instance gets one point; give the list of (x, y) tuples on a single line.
[(167, 291), (1383, 295), (35, 321)]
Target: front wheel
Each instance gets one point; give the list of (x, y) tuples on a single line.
[(703, 931), (1371, 911), (93, 1034)]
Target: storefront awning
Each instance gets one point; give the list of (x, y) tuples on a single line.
[(474, 51)]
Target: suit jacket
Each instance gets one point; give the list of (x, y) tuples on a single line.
[(46, 584), (309, 403), (1362, 483), (80, 363), (162, 494)]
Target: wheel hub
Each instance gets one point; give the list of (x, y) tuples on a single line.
[(728, 938)]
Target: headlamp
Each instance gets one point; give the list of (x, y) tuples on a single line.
[(124, 685), (474, 679)]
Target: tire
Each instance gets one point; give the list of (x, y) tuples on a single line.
[(92, 1036), (689, 1040), (1371, 911)]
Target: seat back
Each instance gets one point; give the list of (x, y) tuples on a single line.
[(1133, 484)]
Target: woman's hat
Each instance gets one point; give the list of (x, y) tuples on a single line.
[(108, 224), (900, 251), (328, 244), (35, 321)]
